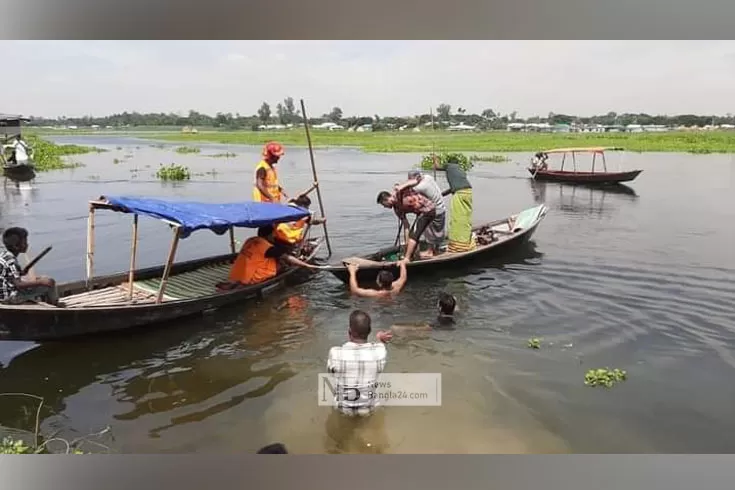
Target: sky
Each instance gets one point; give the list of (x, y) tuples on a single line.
[(76, 78)]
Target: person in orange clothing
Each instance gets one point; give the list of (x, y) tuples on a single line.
[(292, 234), (266, 187), (259, 260)]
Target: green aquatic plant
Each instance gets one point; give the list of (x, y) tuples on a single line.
[(604, 377), (50, 156), (173, 172), (187, 149), (223, 155), (116, 161), (427, 163), (534, 343), (490, 158)]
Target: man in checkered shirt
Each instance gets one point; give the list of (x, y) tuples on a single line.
[(356, 366), (13, 288)]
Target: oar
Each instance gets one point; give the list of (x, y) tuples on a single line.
[(398, 235), (33, 262)]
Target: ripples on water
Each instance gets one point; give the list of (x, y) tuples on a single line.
[(641, 280)]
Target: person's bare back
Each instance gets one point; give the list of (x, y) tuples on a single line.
[(387, 287)]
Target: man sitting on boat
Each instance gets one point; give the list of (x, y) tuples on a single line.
[(426, 186), (387, 286), (13, 288), (266, 187), (292, 234), (538, 162), (410, 201), (20, 151), (259, 260), (460, 208)]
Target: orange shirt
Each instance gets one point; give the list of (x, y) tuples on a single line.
[(271, 184), (251, 265)]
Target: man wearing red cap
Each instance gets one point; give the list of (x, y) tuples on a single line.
[(267, 188)]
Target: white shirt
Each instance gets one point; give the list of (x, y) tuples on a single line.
[(429, 188), (356, 368), (21, 152)]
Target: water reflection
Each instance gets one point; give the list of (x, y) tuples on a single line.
[(578, 199)]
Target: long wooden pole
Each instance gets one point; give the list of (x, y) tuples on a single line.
[(316, 179), (169, 263), (232, 240), (433, 137), (133, 257), (90, 244)]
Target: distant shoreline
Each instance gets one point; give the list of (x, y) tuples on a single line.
[(698, 142)]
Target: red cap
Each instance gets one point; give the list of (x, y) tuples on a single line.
[(273, 148)]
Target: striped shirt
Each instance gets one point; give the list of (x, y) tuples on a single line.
[(356, 368), (9, 273)]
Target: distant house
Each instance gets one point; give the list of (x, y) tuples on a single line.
[(561, 128), (329, 126), (364, 128), (634, 128), (516, 127), (461, 127)]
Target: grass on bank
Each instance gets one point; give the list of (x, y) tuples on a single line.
[(50, 156), (499, 141)]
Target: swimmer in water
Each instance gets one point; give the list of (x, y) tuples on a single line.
[(446, 306)]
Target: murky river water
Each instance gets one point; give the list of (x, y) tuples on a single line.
[(641, 281)]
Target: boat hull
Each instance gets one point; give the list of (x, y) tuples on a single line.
[(19, 172), (499, 248), (584, 177), (46, 323)]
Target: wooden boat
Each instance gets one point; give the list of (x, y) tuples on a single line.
[(153, 295), (494, 239), (542, 173), (10, 127)]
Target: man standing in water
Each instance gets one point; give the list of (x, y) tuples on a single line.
[(460, 208), (356, 365), (387, 287), (266, 187)]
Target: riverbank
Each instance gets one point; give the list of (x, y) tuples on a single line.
[(500, 141)]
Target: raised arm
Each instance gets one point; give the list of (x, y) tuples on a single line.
[(355, 288), (399, 283), (409, 183)]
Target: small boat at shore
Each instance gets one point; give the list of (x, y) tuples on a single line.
[(153, 295), (494, 239), (540, 171), (10, 128)]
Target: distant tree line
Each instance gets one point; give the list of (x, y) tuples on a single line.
[(285, 113)]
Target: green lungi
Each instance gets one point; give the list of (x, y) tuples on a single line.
[(460, 222)]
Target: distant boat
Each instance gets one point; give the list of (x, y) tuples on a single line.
[(10, 127), (539, 169)]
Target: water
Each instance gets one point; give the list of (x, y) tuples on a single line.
[(643, 282)]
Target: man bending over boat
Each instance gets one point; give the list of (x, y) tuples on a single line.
[(460, 208), (410, 201), (387, 286), (292, 234), (13, 288), (259, 260), (427, 187)]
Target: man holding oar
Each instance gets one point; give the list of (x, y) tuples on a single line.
[(266, 187), (13, 288)]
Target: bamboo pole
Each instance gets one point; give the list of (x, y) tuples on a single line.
[(90, 243), (133, 257), (433, 137), (316, 179), (232, 239), (169, 263)]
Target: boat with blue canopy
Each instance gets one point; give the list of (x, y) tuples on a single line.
[(158, 294)]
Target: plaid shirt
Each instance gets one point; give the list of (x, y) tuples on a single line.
[(9, 273), (410, 201), (356, 368)]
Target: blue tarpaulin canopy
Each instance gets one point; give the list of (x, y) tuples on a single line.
[(219, 218)]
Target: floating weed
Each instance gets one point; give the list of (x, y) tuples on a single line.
[(187, 149), (223, 155), (119, 148), (173, 172), (116, 161), (490, 158), (604, 377), (534, 343), (427, 163), (50, 156)]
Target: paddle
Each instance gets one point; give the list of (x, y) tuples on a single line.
[(33, 262)]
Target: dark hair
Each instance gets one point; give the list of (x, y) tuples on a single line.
[(264, 231), (447, 304), (275, 448), (385, 279), (382, 196), (302, 201), (12, 237), (360, 324)]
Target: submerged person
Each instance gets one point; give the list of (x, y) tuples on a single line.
[(460, 208), (408, 201), (388, 286), (259, 260), (266, 186), (427, 187), (13, 288), (446, 306), (292, 233)]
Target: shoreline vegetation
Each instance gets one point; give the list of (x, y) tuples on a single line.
[(699, 142), (50, 156)]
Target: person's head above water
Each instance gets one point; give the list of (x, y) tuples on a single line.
[(447, 304), (359, 325), (384, 280)]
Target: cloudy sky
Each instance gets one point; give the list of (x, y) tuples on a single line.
[(73, 78)]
